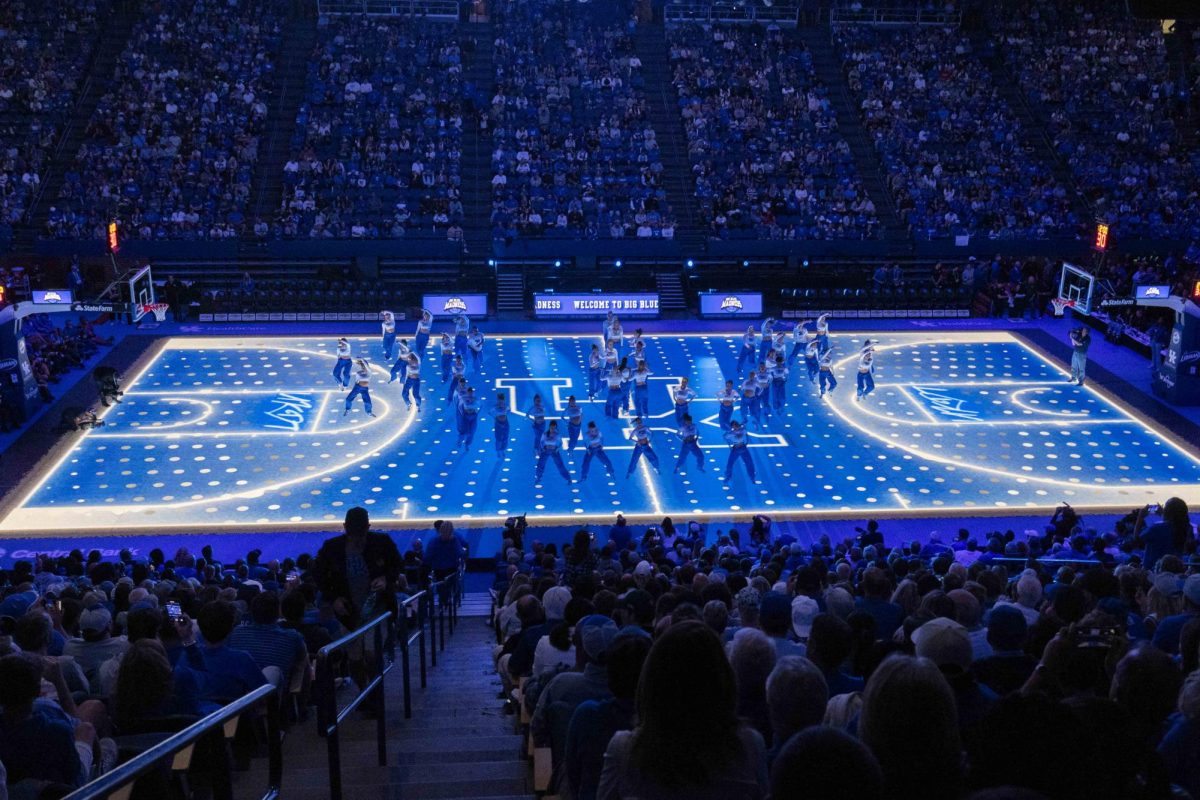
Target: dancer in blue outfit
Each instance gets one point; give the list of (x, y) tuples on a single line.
[(746, 354), (595, 372), (689, 439), (549, 451), (641, 390), (537, 418), (388, 325), (446, 355), (826, 374), (362, 386), (475, 348), (341, 369), (593, 441), (424, 326), (457, 371), (640, 436), (823, 332), (812, 359), (779, 374), (682, 395), (866, 368), (412, 381), (469, 408), (500, 424), (401, 363), (737, 438), (726, 397), (573, 414), (462, 326)]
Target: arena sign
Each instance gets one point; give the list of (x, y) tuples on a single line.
[(731, 304), (453, 305), (596, 305)]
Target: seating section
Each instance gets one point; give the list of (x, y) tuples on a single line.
[(762, 138), (1110, 98), (574, 154), (172, 145), (45, 46), (378, 143), (957, 160)]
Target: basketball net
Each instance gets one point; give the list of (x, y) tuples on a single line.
[(159, 310), (1060, 305)]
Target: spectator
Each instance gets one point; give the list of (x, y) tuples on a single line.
[(231, 673), (752, 655), (796, 695), (821, 763), (1009, 666), (97, 644), (829, 647), (36, 746), (276, 651), (1171, 536), (357, 571), (1166, 635)]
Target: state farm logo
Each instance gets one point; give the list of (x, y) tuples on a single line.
[(455, 305), (732, 304)]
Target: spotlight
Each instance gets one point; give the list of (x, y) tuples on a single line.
[(804, 263), (558, 263), (618, 264), (745, 263), (491, 262), (690, 263)]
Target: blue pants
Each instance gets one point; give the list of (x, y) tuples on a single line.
[(626, 390), (823, 341), (725, 416), (539, 430), (866, 384), (763, 404), (401, 366), (612, 407), (813, 368), (641, 400), (355, 392), (763, 348), (594, 383), (447, 362), (573, 429), (739, 452), (692, 447), (412, 385), (640, 450), (749, 409), (827, 377), (598, 453), (460, 345), (551, 454), (746, 354), (467, 434), (420, 342), (680, 410), (778, 393), (453, 388), (341, 372), (501, 432), (797, 350), (1078, 366), (476, 361), (389, 341)]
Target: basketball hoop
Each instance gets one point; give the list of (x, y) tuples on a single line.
[(159, 310), (1061, 304)]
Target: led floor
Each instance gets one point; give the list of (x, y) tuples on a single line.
[(229, 432)]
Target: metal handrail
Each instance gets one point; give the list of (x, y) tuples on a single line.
[(415, 604), (118, 783), (329, 718)]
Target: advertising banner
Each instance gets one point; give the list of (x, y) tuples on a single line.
[(596, 305)]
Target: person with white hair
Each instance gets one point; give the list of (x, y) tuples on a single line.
[(796, 698)]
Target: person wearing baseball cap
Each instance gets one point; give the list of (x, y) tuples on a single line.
[(1009, 666), (593, 636), (1166, 635), (948, 644), (97, 644)]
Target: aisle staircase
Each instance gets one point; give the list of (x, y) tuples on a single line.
[(510, 290), (669, 285), (480, 71), (458, 744)]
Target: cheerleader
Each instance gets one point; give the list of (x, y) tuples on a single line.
[(401, 363), (689, 444), (779, 342), (726, 398), (500, 424), (826, 373), (462, 326), (768, 336), (746, 354), (641, 390), (468, 408), (412, 381), (460, 420), (388, 325), (779, 374), (866, 366), (446, 353), (593, 441), (750, 400), (574, 419), (812, 356), (612, 403), (610, 355), (639, 351), (362, 386), (616, 334), (641, 436), (682, 395), (424, 326), (800, 338), (549, 450), (537, 418), (626, 383), (475, 347), (762, 380), (341, 370), (823, 332), (456, 376), (595, 373), (737, 437)]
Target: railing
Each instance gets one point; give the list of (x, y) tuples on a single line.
[(413, 608), (329, 718), (118, 783), (893, 17), (444, 598), (391, 8), (680, 13)]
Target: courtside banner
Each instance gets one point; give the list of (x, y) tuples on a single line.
[(452, 305), (596, 305), (731, 304)]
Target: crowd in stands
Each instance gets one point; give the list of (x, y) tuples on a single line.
[(679, 662), (55, 350), (957, 159), (762, 137), (172, 145), (45, 46), (1106, 88), (378, 145), (574, 154)]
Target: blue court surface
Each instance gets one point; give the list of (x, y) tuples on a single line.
[(247, 433)]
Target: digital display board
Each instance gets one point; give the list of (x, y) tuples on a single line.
[(1152, 292), (596, 305), (51, 297), (452, 305), (731, 304)]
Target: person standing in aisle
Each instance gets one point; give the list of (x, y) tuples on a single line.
[(446, 355), (866, 366), (595, 368), (726, 398), (736, 437), (593, 442), (689, 438), (475, 347), (468, 407), (362, 386), (424, 326), (500, 422), (549, 451), (462, 326), (640, 437), (341, 370), (574, 418), (537, 418), (412, 381), (388, 326), (746, 354), (641, 390), (682, 395), (826, 376)]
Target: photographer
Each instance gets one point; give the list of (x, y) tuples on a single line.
[(1081, 340), (108, 383)]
